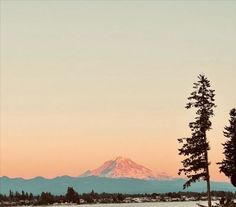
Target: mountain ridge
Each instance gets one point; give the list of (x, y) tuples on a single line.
[(59, 185)]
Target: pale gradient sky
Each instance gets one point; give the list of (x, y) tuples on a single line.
[(85, 81)]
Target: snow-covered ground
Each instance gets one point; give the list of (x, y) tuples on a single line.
[(159, 204)]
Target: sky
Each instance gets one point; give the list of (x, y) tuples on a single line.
[(85, 81)]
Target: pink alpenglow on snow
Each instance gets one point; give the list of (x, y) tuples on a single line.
[(121, 167)]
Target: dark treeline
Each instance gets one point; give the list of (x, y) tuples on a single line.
[(71, 196)]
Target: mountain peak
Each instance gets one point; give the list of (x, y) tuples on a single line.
[(120, 158), (121, 167)]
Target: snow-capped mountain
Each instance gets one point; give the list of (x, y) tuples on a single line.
[(121, 167)]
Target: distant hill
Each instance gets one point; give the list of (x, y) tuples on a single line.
[(59, 185)]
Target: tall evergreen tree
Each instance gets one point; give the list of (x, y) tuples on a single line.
[(72, 195), (195, 147), (228, 164)]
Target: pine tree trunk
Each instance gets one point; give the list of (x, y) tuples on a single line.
[(208, 182), (209, 192), (208, 175)]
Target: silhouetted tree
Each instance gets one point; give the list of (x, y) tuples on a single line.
[(88, 198), (11, 195), (23, 196), (72, 195), (228, 165), (31, 197), (195, 148), (120, 197), (17, 196), (46, 198)]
